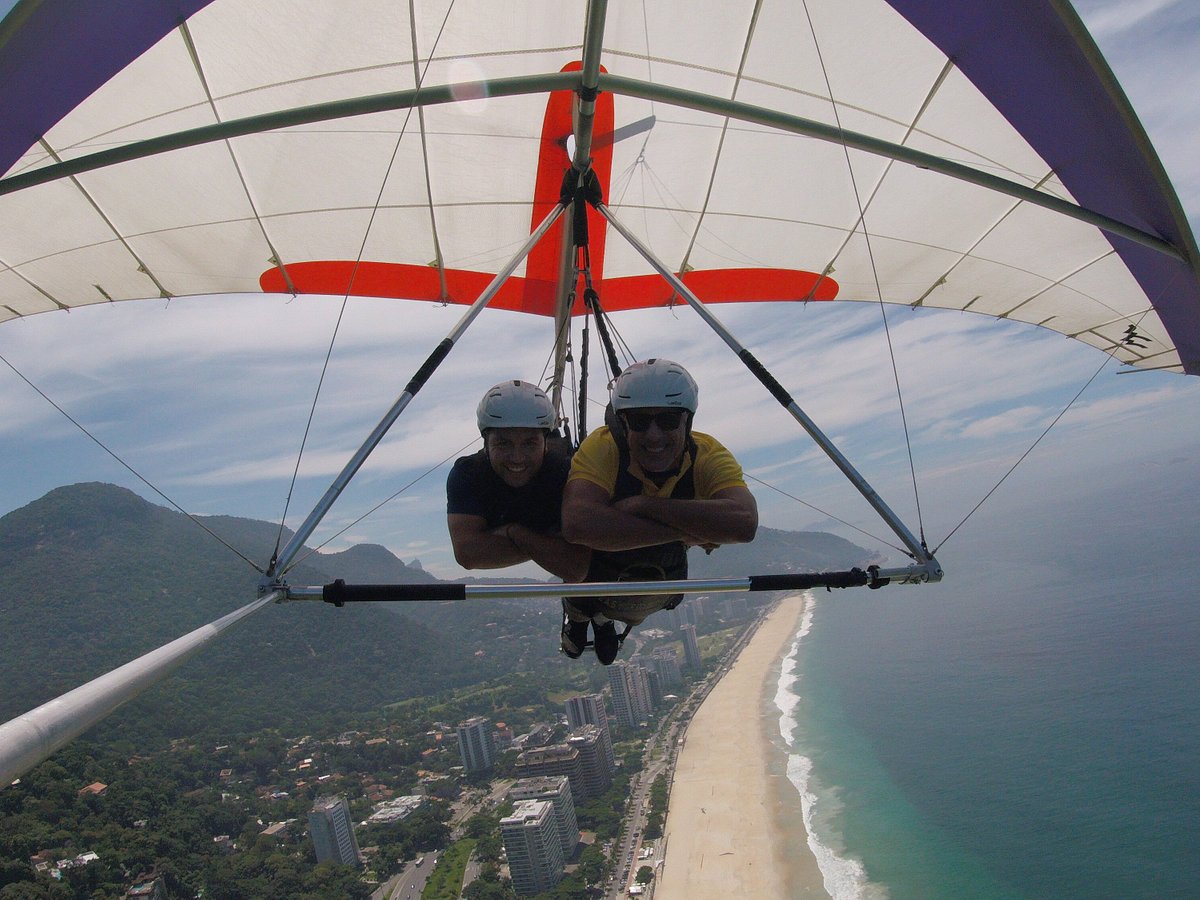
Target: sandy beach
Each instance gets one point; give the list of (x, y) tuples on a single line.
[(733, 829)]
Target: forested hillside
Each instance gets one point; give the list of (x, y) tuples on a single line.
[(92, 575)]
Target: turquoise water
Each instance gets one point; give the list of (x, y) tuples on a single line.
[(1018, 731)]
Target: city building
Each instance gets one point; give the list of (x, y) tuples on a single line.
[(397, 809), (593, 761), (631, 696), (555, 790), (656, 687), (691, 648), (588, 709), (534, 848), (557, 759), (665, 662), (332, 832), (684, 614), (476, 745)]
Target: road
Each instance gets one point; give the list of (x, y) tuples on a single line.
[(410, 881)]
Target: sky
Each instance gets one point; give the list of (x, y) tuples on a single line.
[(208, 398)]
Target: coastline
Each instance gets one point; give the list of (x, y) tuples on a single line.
[(734, 823)]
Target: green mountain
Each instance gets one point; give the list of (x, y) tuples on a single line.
[(92, 575)]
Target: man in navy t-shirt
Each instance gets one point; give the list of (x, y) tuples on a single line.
[(503, 504)]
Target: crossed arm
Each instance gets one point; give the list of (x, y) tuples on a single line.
[(478, 547), (591, 519)]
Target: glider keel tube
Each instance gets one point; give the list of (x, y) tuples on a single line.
[(304, 532), (918, 551), (28, 739), (589, 78), (339, 593)]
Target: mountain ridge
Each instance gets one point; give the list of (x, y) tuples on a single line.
[(93, 575)]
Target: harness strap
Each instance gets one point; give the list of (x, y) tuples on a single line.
[(662, 561)]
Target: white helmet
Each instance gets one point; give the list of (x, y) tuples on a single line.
[(655, 382), (515, 404)]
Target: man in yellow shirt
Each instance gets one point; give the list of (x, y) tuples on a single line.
[(640, 493)]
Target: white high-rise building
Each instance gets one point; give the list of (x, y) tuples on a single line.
[(332, 832), (631, 696), (534, 849), (557, 759), (593, 762), (666, 664), (476, 745), (588, 709), (556, 790), (691, 648)]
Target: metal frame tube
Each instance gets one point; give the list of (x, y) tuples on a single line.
[(584, 118), (919, 552), (28, 739), (356, 461), (761, 115), (631, 87), (593, 40), (913, 574)]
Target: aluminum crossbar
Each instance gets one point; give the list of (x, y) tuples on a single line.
[(339, 592)]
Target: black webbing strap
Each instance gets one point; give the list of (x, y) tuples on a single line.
[(592, 300)]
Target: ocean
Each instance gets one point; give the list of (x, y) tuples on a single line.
[(1029, 728)]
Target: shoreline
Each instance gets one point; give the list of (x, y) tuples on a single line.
[(734, 822)]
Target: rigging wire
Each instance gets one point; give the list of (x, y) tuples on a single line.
[(862, 217), (382, 503), (346, 297), (1109, 357), (130, 468), (1021, 458), (830, 515)]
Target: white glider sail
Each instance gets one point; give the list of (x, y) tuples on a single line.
[(434, 198)]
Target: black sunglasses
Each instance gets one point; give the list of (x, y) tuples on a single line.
[(666, 421)]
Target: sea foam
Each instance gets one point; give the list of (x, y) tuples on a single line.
[(844, 878)]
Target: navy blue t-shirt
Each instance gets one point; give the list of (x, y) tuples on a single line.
[(474, 489)]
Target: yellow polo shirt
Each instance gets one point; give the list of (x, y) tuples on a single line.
[(597, 459)]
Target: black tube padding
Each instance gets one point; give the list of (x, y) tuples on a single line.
[(566, 190), (778, 391), (580, 219), (805, 580), (339, 592), (427, 368)]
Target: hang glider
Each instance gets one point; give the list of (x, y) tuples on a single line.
[(976, 156)]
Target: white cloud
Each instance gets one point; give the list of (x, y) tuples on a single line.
[(1107, 20), (1022, 418)]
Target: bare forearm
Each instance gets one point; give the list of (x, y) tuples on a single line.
[(488, 550), (558, 557), (715, 521), (604, 527)]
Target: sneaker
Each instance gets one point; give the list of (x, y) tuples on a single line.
[(574, 636), (606, 642)]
